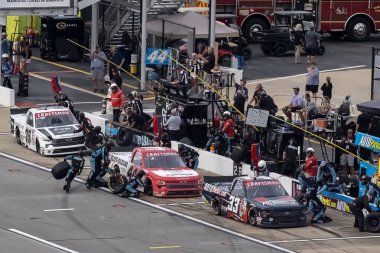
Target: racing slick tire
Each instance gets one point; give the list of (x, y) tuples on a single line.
[(59, 171), (117, 183), (38, 148), (123, 137), (216, 205), (148, 188), (372, 222), (252, 217), (18, 138)]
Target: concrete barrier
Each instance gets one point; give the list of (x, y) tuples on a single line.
[(7, 97), (99, 119)]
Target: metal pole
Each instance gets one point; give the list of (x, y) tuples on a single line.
[(194, 45), (103, 27), (162, 44), (133, 32), (372, 71), (143, 43), (94, 26), (212, 22), (1, 54)]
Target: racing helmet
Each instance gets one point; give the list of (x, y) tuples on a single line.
[(140, 174), (80, 153), (134, 93), (165, 137), (262, 165), (5, 56), (226, 114), (309, 151)]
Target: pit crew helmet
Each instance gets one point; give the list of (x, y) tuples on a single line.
[(5, 56), (226, 114), (262, 166), (309, 151), (97, 129)]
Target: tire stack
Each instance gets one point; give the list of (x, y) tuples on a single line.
[(23, 85)]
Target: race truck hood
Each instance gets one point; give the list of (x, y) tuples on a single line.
[(172, 173), (58, 132), (276, 202)]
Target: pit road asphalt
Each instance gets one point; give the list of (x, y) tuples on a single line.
[(98, 221)]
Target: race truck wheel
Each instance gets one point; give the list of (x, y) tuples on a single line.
[(321, 50), (18, 138), (372, 222), (359, 29), (38, 148), (117, 183), (148, 189), (252, 26), (123, 138), (216, 205), (252, 217), (280, 51)]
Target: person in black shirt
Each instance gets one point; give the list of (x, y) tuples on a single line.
[(134, 120), (346, 159), (289, 165), (85, 124), (357, 207), (115, 58), (116, 78), (266, 102), (363, 123), (327, 88), (241, 96)]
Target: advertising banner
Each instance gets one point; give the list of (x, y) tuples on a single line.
[(39, 4), (367, 141)]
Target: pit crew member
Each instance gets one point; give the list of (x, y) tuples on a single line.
[(85, 124), (99, 155), (311, 165), (130, 189), (77, 164), (326, 179)]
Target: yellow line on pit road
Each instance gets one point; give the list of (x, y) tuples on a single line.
[(76, 70), (164, 247)]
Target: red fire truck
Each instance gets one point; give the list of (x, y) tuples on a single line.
[(354, 18)]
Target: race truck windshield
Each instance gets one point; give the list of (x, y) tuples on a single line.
[(264, 189), (163, 160), (54, 119)]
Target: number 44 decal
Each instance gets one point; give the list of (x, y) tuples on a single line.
[(233, 204)]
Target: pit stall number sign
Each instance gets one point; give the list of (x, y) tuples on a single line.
[(157, 56)]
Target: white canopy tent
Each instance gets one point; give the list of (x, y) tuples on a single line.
[(179, 26)]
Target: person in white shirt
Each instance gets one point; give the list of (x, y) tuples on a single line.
[(295, 105), (174, 126)]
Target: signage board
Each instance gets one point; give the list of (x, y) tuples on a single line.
[(38, 7), (157, 56)]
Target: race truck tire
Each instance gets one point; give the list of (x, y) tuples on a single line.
[(117, 183), (358, 29), (123, 138), (321, 50), (250, 26), (18, 138), (252, 217), (372, 222), (216, 205), (148, 189), (59, 171), (38, 149)]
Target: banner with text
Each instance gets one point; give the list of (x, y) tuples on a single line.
[(38, 4)]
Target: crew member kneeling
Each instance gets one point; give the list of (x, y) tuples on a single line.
[(131, 188)]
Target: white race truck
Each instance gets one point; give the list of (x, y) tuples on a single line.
[(48, 131)]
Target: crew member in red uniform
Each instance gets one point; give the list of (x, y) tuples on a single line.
[(311, 166), (117, 101), (229, 128)]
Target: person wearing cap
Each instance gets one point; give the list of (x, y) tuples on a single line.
[(295, 105), (241, 96), (5, 44), (312, 42), (114, 58), (97, 69), (208, 64), (116, 78), (6, 70), (117, 101)]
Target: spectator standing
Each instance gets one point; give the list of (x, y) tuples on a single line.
[(259, 88), (116, 78), (97, 69), (346, 159), (5, 44), (327, 88), (16, 56), (26, 54), (6, 70), (295, 105), (312, 82), (117, 101), (312, 42), (174, 126), (298, 42), (241, 95), (114, 58), (208, 64)]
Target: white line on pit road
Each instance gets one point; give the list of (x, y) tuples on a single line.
[(75, 103), (186, 203), (205, 223), (57, 210), (286, 77), (42, 240), (329, 239)]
